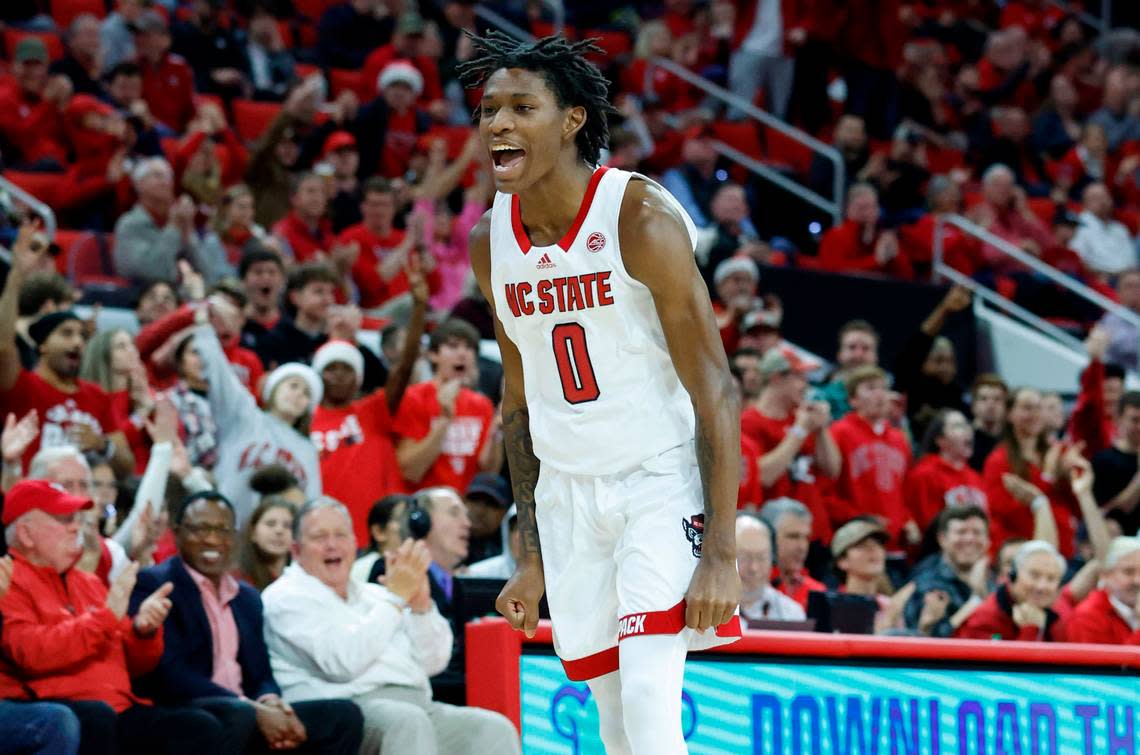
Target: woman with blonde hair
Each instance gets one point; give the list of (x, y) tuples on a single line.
[(231, 228), (111, 361)]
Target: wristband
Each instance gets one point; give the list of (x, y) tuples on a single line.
[(798, 432), (1037, 503)]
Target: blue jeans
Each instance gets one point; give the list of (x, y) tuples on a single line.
[(38, 728)]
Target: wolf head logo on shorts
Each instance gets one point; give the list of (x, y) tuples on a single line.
[(695, 532)]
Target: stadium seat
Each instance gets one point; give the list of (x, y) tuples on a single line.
[(65, 11), (12, 38), (615, 43), (90, 261), (40, 185), (65, 238), (944, 159), (252, 118), (740, 135), (298, 32), (546, 29), (785, 150)]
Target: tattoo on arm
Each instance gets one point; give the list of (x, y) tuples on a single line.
[(706, 460), (524, 476)]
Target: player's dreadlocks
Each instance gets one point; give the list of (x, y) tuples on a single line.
[(575, 81)]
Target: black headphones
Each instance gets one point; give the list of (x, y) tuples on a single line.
[(419, 518)]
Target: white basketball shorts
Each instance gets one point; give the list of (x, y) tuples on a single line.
[(618, 553)]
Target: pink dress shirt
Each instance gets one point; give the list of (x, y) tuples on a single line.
[(223, 629)]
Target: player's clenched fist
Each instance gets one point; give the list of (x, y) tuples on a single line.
[(714, 593), (518, 601)]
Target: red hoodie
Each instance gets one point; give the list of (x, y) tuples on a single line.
[(874, 466), (1012, 518), (934, 484), (64, 641)]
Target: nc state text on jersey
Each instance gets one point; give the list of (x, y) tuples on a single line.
[(565, 294)]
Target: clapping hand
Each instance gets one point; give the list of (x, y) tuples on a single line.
[(18, 436), (153, 610)]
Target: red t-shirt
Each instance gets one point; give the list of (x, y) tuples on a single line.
[(399, 141), (358, 459), (750, 491), (874, 464), (934, 484), (458, 460), (58, 411), (800, 481), (373, 290)]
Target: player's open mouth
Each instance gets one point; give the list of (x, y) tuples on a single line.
[(506, 156), (333, 562)]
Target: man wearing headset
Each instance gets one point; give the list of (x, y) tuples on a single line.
[(1020, 610), (438, 517)]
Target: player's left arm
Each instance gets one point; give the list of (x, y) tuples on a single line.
[(657, 251)]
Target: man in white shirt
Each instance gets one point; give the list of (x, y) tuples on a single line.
[(1103, 243), (758, 599), (329, 636)]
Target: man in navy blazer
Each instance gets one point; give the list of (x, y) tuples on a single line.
[(214, 654)]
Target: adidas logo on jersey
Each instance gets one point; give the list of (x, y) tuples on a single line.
[(545, 263)]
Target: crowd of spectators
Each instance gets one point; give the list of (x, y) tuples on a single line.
[(257, 515)]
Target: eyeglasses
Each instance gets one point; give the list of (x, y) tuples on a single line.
[(201, 530)]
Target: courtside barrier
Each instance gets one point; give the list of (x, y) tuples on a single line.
[(796, 692)]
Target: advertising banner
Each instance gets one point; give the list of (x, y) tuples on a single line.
[(747, 707)]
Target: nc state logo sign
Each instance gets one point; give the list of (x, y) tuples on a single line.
[(596, 242)]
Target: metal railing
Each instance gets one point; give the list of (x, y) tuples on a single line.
[(1101, 23), (941, 269), (833, 206), (34, 204)]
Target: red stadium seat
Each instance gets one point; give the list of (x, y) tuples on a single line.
[(546, 29), (342, 80), (297, 32), (12, 38), (90, 260), (741, 135), (251, 118), (65, 239), (614, 43), (944, 159), (65, 11), (785, 150), (40, 185)]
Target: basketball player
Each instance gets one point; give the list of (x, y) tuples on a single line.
[(617, 389)]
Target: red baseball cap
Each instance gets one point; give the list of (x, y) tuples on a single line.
[(339, 140), (48, 497)]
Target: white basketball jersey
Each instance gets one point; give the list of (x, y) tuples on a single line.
[(601, 388)]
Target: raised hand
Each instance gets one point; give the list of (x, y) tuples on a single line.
[(18, 436), (162, 427)]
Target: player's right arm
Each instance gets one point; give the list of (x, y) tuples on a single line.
[(518, 601)]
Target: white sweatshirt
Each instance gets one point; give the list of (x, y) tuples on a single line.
[(249, 438), (322, 646)]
